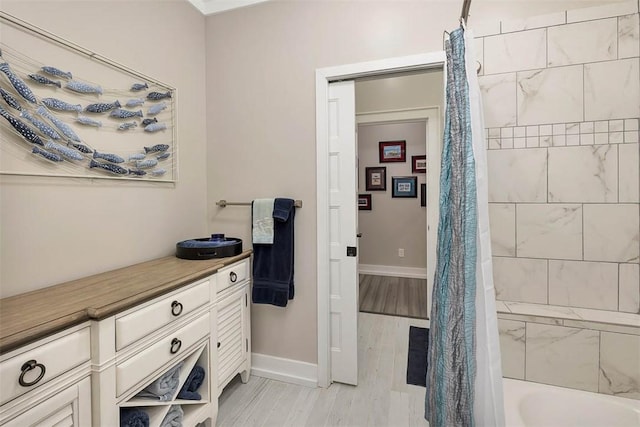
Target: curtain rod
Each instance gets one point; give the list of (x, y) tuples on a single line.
[(224, 203), (464, 15)]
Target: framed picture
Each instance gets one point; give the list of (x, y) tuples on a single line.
[(419, 164), (404, 186), (376, 178), (392, 151), (364, 202), (423, 194)]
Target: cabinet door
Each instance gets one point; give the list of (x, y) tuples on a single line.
[(70, 407), (232, 339)]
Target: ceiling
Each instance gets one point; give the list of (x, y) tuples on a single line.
[(209, 7)]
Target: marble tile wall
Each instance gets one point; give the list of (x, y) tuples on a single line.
[(562, 113)]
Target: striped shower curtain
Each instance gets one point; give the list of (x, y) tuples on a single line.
[(464, 377)]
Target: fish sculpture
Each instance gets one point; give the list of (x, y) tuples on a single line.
[(81, 147), (156, 96), (10, 100), (62, 126), (40, 125), (163, 156), (158, 172), (136, 87), (134, 102), (53, 71), (88, 121), (146, 122), (108, 167), (137, 172), (157, 108), (113, 158), (127, 126), (67, 152), (44, 80), (156, 148), (56, 104), (47, 155), (155, 127), (23, 129), (82, 87), (18, 83), (136, 156), (125, 114), (101, 107), (146, 164)]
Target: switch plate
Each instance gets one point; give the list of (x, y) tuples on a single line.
[(401, 252)]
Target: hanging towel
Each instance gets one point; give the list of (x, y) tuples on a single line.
[(273, 264), (164, 387), (133, 417), (173, 417), (192, 384), (262, 221)]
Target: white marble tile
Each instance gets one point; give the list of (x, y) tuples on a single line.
[(598, 326), (519, 132), (616, 137), (631, 136), (494, 143), (619, 365), (583, 42), (628, 36), (499, 99), (546, 130), (549, 231), (512, 343), (572, 128), (573, 140), (601, 138), (612, 232), (517, 175), (583, 284), (525, 50), (629, 288), (629, 172), (495, 132), (605, 11), (502, 220), (506, 132), (546, 141), (532, 131), (550, 96), (586, 127), (631, 124), (519, 143), (612, 89), (566, 357), (558, 140), (583, 174), (520, 279), (501, 307), (587, 139), (534, 319), (538, 21), (506, 143), (545, 311), (486, 28), (616, 125), (610, 317), (532, 142)]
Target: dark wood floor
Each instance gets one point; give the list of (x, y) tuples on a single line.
[(396, 296)]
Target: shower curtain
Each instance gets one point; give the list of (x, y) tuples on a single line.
[(464, 376)]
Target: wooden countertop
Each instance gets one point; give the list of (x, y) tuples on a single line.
[(33, 315)]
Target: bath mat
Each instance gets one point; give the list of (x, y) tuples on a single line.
[(417, 360)]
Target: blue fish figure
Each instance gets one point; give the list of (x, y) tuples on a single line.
[(56, 104), (44, 80), (82, 87), (157, 108), (40, 125), (146, 164), (136, 156), (156, 148), (163, 156), (101, 107), (127, 126), (134, 102), (53, 71), (113, 158), (81, 147), (137, 172), (136, 87), (125, 114), (156, 96), (88, 121), (146, 122), (108, 167), (22, 128), (10, 100), (65, 151), (18, 83), (47, 155), (62, 126), (155, 127), (158, 172)]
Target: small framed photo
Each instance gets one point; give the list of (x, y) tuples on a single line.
[(423, 194), (404, 186), (364, 202), (376, 178), (392, 151), (419, 164)]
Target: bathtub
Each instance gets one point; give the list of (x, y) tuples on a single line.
[(529, 404)]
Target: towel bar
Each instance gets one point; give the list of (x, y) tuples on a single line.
[(224, 203)]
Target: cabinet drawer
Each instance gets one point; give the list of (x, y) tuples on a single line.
[(234, 274), (135, 325), (137, 368), (51, 359)]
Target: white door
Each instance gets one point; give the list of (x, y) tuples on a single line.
[(343, 217)]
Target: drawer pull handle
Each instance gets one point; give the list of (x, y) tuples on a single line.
[(175, 345), (176, 308), (233, 277), (29, 366)]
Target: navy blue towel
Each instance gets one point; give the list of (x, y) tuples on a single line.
[(273, 264), (193, 382), (133, 417)]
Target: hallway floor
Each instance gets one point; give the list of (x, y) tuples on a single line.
[(396, 296), (382, 397)]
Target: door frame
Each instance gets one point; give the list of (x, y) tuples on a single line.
[(324, 76)]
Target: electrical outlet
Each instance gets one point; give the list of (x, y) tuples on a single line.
[(401, 252)]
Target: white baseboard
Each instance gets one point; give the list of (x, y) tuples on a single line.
[(286, 370), (391, 270)]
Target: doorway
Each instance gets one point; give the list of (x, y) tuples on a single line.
[(324, 77)]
